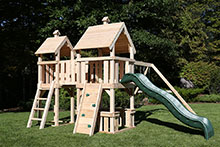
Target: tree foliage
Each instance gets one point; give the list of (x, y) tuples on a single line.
[(167, 33), (199, 73)]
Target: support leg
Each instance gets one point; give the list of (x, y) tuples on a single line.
[(72, 112), (56, 107), (112, 110)]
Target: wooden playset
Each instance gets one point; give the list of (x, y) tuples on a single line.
[(90, 76)]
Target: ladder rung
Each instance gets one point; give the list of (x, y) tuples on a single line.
[(42, 99), (44, 88), (42, 109), (39, 119)]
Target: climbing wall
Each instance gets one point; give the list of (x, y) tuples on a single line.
[(89, 107)]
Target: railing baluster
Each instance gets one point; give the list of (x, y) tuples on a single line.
[(51, 73), (62, 72), (43, 74), (47, 74), (106, 128), (91, 72), (83, 70), (116, 72), (106, 71), (100, 72), (68, 73), (122, 69), (101, 124), (96, 72)]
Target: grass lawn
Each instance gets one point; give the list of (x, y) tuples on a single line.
[(155, 126)]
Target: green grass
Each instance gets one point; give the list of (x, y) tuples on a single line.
[(155, 127)]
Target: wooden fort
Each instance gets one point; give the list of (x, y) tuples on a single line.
[(60, 65)]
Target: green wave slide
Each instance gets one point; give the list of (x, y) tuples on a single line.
[(172, 104)]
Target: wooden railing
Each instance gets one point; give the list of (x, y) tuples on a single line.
[(103, 69), (67, 72), (47, 73), (104, 123)]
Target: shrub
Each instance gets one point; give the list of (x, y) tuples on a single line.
[(64, 100), (214, 84), (213, 98), (122, 99), (189, 95), (26, 105), (198, 72)]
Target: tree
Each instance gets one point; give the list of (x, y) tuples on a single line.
[(198, 30)]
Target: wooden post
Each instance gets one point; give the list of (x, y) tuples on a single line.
[(132, 108), (78, 69), (40, 69), (132, 99), (40, 78), (127, 68), (56, 106), (116, 72), (112, 66), (131, 52), (72, 107), (72, 66), (131, 57), (112, 109)]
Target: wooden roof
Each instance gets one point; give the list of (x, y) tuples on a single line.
[(103, 36), (53, 45)]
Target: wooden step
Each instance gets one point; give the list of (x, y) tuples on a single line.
[(41, 109), (44, 88), (42, 99), (38, 119)]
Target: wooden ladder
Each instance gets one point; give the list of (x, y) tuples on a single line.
[(37, 100), (88, 109)]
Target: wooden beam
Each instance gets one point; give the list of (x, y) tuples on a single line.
[(140, 63), (172, 89), (40, 77), (56, 106)]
